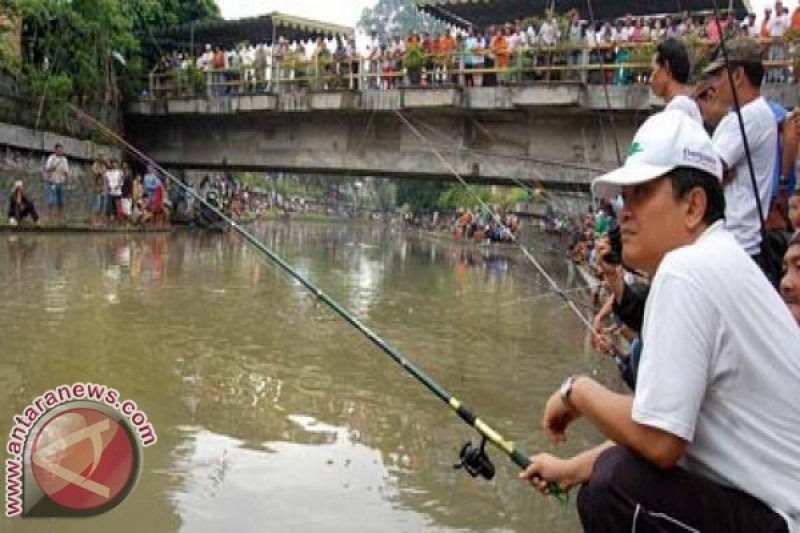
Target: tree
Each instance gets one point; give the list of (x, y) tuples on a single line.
[(396, 17), (153, 15), (94, 47), (420, 195)]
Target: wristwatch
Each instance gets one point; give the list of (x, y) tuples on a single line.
[(566, 391)]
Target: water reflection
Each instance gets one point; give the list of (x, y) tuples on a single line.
[(271, 413)]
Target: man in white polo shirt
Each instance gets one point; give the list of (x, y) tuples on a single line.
[(741, 212), (710, 441)]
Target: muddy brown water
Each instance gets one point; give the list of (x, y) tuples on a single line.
[(271, 413)]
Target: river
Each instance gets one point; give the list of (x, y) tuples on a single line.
[(272, 414)]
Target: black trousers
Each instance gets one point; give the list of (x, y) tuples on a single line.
[(19, 212), (628, 493)]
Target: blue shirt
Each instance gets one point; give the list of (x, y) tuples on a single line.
[(780, 114), (150, 183)]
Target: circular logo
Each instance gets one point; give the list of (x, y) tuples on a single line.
[(85, 459)]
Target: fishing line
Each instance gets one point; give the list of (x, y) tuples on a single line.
[(618, 359), (745, 144), (473, 458), (542, 192), (605, 86)]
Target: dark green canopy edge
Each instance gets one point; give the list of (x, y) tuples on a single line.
[(483, 13), (262, 29)]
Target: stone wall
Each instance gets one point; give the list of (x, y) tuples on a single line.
[(22, 156)]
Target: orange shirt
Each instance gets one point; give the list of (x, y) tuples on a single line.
[(796, 19), (764, 30), (447, 43), (500, 48)]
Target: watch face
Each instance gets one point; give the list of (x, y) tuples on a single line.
[(566, 388)]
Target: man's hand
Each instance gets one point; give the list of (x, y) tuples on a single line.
[(602, 340), (557, 416), (545, 469)]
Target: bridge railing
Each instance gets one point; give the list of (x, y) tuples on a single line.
[(619, 64)]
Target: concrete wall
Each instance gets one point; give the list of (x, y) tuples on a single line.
[(557, 133), (22, 155)]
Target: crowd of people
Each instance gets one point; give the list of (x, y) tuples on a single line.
[(122, 198), (516, 51), (696, 241), (480, 225)]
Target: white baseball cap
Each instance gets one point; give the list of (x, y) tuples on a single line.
[(665, 141)]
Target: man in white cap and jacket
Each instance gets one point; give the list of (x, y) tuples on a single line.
[(710, 439)]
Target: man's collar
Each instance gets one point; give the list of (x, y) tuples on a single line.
[(712, 229)]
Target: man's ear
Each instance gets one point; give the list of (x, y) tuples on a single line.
[(695, 205)]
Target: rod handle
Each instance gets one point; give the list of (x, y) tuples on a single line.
[(522, 461)]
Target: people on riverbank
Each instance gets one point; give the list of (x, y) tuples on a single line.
[(114, 187), (693, 430), (794, 210), (20, 206), (99, 193), (56, 171)]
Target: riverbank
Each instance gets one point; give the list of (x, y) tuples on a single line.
[(81, 228)]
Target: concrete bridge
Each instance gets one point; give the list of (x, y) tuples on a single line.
[(559, 134)]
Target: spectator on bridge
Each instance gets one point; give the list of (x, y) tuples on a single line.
[(20, 206), (795, 22), (373, 55), (639, 33), (499, 48), (777, 26), (474, 58), (671, 28), (658, 32), (669, 78), (764, 30), (749, 27)]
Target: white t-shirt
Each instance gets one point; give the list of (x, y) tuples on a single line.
[(57, 168), (548, 33), (686, 105), (720, 369), (778, 25), (114, 181), (741, 213)]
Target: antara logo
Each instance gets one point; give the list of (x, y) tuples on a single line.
[(635, 148)]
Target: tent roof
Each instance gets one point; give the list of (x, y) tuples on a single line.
[(483, 13), (261, 29)]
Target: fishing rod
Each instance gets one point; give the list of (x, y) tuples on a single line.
[(605, 84), (615, 354), (472, 458), (765, 253)]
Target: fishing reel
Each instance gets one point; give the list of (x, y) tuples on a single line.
[(475, 461)]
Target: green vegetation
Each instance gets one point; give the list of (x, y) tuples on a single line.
[(423, 196), (90, 52)]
